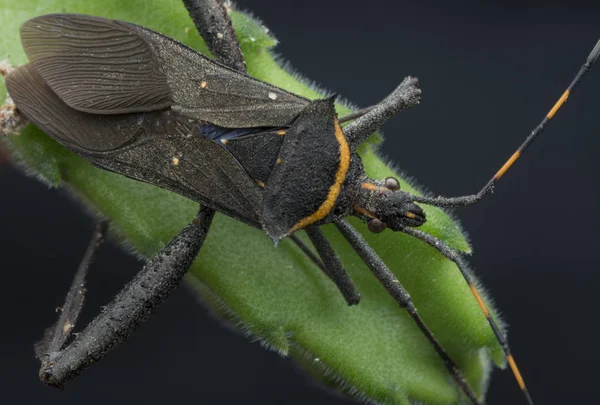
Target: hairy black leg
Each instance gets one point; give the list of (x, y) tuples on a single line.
[(405, 95), (118, 319), (56, 336), (308, 252), (453, 255), (401, 296), (344, 283), (333, 266), (213, 23), (131, 307), (356, 114)]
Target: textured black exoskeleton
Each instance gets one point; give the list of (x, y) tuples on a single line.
[(135, 102)]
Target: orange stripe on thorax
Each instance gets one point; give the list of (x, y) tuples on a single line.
[(334, 190)]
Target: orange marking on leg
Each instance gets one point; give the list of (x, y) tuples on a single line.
[(559, 104), (507, 165), (515, 370), (479, 300)]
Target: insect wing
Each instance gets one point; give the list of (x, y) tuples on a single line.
[(160, 147), (105, 66), (95, 65)]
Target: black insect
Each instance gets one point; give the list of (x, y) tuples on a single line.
[(135, 102)]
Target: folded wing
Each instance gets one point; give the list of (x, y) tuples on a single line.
[(158, 147), (103, 66)]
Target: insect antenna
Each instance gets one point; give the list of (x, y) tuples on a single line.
[(461, 201), (471, 199), (401, 296), (454, 256)]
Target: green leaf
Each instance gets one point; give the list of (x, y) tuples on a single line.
[(372, 350)]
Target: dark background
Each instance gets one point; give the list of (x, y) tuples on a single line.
[(488, 71)]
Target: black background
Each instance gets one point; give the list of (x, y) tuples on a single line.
[(488, 71)]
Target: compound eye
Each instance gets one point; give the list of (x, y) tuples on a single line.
[(391, 184), (376, 226)]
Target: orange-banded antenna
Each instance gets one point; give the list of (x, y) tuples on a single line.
[(563, 98), (471, 199)]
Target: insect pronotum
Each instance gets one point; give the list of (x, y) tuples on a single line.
[(261, 139)]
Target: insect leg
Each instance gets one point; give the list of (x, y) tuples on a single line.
[(397, 291), (308, 252), (405, 95), (356, 114), (56, 335), (456, 258), (471, 199), (333, 266), (343, 281), (213, 23), (132, 306)]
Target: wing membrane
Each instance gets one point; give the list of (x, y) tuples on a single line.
[(105, 67), (160, 147), (95, 65)]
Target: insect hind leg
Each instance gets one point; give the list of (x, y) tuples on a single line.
[(56, 335), (213, 23), (131, 307), (135, 303)]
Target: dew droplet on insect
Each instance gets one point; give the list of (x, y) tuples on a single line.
[(272, 96)]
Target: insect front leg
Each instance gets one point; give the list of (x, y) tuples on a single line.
[(454, 256), (333, 266), (401, 296), (131, 307), (372, 118)]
